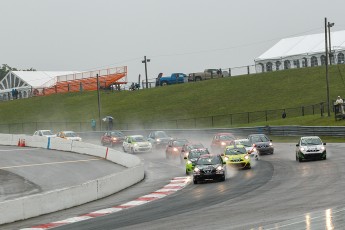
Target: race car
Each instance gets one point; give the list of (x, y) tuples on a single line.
[(262, 143), (220, 141), (192, 157), (174, 148), (249, 147), (237, 156), (159, 139), (188, 147), (310, 148), (112, 138), (209, 167), (69, 135), (136, 143)]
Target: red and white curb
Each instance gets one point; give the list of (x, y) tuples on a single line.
[(175, 184)]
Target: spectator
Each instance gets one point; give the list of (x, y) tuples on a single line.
[(339, 102), (93, 124), (110, 125)]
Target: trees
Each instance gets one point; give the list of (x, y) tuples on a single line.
[(6, 68)]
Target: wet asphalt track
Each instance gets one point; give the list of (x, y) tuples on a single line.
[(277, 193)]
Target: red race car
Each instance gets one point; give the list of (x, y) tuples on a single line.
[(220, 141), (112, 138), (174, 148)]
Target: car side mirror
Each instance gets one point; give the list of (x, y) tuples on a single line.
[(222, 154), (297, 145), (185, 158), (324, 143)]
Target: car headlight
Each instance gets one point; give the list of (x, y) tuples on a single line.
[(302, 149), (158, 140), (150, 145), (219, 168), (254, 150), (246, 157), (223, 143), (271, 144), (226, 158), (196, 169), (175, 149), (135, 145), (189, 162), (114, 138), (323, 148)]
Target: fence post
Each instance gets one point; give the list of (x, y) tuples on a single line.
[(313, 110), (248, 70), (229, 72), (302, 110), (321, 109), (266, 114)]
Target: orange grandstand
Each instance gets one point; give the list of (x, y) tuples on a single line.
[(80, 81)]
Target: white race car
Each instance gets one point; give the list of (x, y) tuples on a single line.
[(249, 148), (136, 143)]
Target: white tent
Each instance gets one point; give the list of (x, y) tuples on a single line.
[(302, 51), (25, 81)]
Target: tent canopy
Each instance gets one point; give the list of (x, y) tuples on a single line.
[(302, 45)]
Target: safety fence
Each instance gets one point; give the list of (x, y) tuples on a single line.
[(216, 121)]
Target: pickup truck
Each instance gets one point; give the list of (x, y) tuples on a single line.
[(173, 79), (207, 74)]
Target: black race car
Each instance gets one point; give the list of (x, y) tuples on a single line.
[(209, 167)]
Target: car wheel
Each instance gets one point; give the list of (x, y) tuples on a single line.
[(164, 83), (195, 181), (325, 158), (222, 179), (300, 159)]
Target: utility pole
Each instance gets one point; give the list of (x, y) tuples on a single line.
[(145, 61), (99, 105), (327, 82), (329, 25)]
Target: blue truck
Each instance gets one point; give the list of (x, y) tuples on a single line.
[(174, 78)]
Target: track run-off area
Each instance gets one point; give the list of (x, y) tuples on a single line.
[(277, 193)]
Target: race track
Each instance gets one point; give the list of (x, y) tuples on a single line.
[(277, 193)]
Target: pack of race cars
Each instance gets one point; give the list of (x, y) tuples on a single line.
[(225, 150)]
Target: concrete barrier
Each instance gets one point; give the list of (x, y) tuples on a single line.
[(55, 200)]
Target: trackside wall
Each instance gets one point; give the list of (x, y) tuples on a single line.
[(51, 201)]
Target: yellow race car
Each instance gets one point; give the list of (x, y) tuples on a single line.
[(237, 156)]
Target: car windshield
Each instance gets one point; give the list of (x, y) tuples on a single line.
[(245, 143), (226, 137), (209, 161), (260, 139), (117, 134), (70, 134), (197, 153), (311, 141), (161, 135), (180, 143), (139, 139), (235, 151), (47, 132)]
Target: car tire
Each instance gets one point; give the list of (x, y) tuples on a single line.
[(195, 181), (300, 159), (222, 179), (325, 158), (164, 83)]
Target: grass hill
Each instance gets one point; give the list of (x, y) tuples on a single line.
[(255, 92)]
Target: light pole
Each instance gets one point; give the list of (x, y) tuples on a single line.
[(329, 25), (327, 83), (145, 61)]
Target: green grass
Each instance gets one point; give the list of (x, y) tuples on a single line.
[(256, 92)]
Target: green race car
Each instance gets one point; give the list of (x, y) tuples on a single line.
[(192, 157), (237, 155)]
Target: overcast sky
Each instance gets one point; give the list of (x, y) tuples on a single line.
[(177, 35)]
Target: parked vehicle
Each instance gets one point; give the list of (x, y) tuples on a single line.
[(207, 74), (174, 78), (112, 138), (310, 148)]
